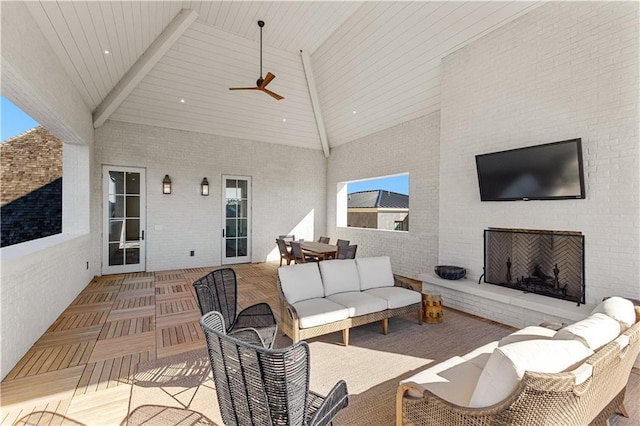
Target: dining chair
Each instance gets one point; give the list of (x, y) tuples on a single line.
[(285, 253), (291, 237), (218, 291), (298, 254), (343, 242), (347, 252), (324, 240), (259, 386)]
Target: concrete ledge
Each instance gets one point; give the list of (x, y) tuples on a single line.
[(509, 306)]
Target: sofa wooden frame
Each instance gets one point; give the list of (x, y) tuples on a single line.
[(290, 322)]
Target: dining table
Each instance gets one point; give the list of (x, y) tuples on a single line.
[(319, 250)]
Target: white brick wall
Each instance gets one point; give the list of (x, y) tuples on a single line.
[(411, 147), (288, 190), (565, 70)]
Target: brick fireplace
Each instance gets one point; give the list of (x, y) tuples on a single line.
[(549, 263)]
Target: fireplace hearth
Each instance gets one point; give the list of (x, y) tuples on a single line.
[(549, 263)]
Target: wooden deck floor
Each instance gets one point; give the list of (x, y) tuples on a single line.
[(80, 371)]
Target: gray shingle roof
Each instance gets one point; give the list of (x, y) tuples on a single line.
[(378, 199)]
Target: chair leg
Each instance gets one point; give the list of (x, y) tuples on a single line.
[(385, 326), (345, 336)]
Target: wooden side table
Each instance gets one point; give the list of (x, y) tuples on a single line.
[(432, 307)]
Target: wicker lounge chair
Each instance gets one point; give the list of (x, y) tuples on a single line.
[(259, 386), (218, 291)]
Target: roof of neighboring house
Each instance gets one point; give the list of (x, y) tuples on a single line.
[(378, 199), (30, 186)]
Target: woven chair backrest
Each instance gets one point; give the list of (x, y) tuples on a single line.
[(282, 246), (296, 250), (324, 240), (217, 291), (347, 252), (342, 242), (257, 386)]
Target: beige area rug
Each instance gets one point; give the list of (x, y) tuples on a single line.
[(179, 390)]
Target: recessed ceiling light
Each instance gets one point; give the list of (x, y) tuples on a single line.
[(284, 120), (106, 52), (181, 101), (355, 112)]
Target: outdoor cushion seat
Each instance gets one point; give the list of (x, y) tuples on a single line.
[(359, 303), (396, 297), (318, 311)]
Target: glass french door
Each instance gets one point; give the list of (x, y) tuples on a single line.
[(236, 219), (124, 219)]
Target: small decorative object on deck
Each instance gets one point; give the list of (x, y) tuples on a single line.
[(449, 272), (432, 307)]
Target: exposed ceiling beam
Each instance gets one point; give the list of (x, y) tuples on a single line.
[(143, 65), (315, 103)]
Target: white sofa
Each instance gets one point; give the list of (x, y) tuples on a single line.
[(335, 295), (576, 375)]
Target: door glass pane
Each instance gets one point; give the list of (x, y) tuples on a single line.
[(242, 185), (232, 208), (231, 228), (242, 227), (133, 183), (116, 208), (133, 230), (133, 206), (132, 255), (242, 247), (115, 230), (116, 254), (231, 247), (243, 209), (116, 182)]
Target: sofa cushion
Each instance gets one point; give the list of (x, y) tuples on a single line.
[(339, 276), (300, 282), (396, 297), (359, 303), (452, 380), (507, 364), (480, 356), (619, 309), (375, 272), (528, 333), (594, 331), (319, 311)]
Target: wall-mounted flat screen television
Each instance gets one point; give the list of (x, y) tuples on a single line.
[(543, 172)]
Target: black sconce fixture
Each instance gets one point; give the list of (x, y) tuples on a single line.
[(166, 185), (204, 187)]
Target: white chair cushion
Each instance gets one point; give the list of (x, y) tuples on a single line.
[(594, 332), (359, 303), (320, 311), (452, 380), (375, 272), (528, 333), (480, 356), (619, 309), (339, 276), (300, 282), (507, 365), (396, 297)]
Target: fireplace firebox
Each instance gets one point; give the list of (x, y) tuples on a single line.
[(549, 263)]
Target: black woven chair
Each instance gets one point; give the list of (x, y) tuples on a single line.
[(342, 242), (218, 291), (324, 240), (299, 256), (347, 252), (285, 254), (258, 386)]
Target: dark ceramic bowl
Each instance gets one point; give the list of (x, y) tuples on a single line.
[(450, 272)]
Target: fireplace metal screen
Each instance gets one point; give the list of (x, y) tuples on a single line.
[(550, 263)]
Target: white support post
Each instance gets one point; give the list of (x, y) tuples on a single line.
[(143, 65), (315, 102)]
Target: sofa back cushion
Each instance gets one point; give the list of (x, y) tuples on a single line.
[(507, 364), (594, 331), (531, 332), (619, 309), (375, 272), (300, 282), (339, 276)]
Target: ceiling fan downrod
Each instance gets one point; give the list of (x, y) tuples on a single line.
[(260, 80)]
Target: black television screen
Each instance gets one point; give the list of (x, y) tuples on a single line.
[(542, 172)]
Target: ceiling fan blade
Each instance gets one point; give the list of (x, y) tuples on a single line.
[(244, 88), (267, 80), (275, 95)]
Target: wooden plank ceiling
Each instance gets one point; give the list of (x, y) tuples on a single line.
[(379, 59)]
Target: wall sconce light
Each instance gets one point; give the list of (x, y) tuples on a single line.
[(204, 187), (166, 185)]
